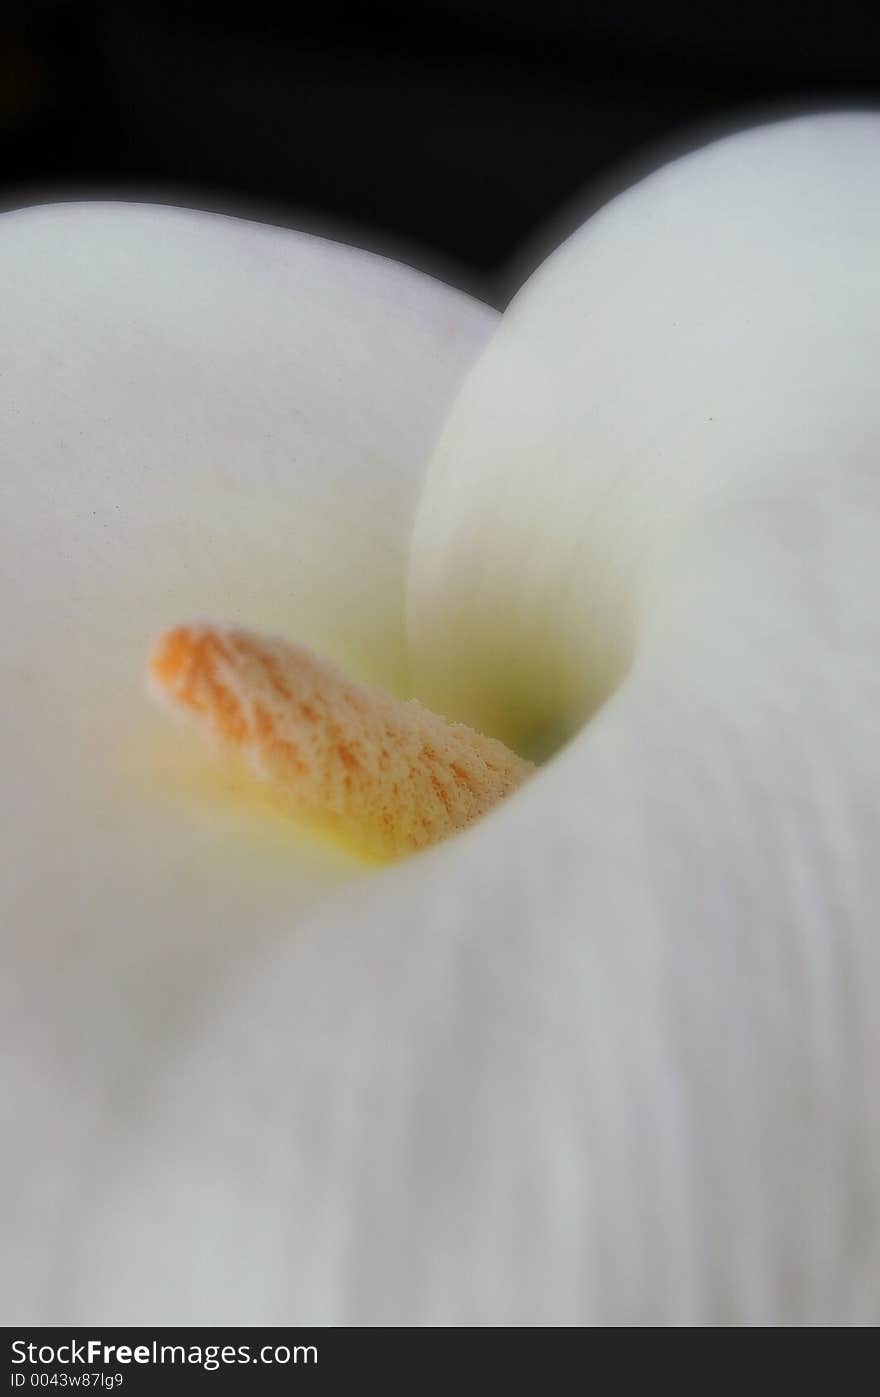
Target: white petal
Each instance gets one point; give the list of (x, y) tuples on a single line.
[(200, 418), (612, 1054)]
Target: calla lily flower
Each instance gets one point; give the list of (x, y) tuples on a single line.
[(607, 1055)]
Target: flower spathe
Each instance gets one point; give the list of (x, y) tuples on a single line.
[(608, 1055)]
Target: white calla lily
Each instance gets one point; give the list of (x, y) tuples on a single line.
[(608, 1055)]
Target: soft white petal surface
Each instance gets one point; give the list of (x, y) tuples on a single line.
[(666, 472), (201, 417), (611, 1055)]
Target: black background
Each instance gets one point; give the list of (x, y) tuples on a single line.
[(446, 132)]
